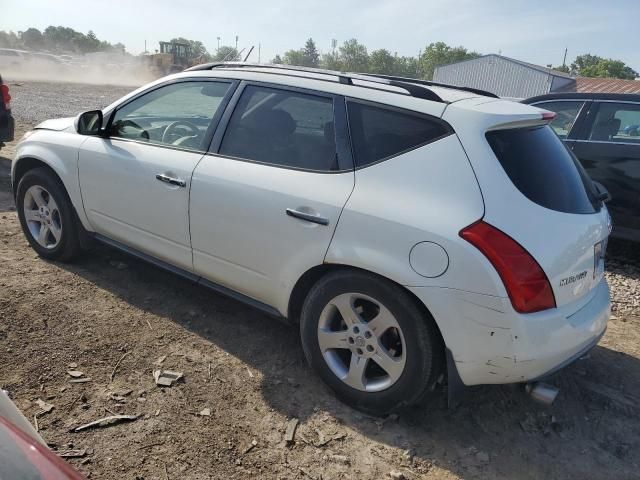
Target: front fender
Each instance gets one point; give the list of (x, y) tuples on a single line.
[(59, 151)]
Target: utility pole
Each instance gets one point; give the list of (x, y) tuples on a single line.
[(259, 51), (564, 60), (218, 42), (236, 42)]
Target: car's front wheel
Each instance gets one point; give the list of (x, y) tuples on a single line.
[(46, 215), (370, 342)]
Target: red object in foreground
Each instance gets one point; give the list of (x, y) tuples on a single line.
[(24, 457), (526, 283), (5, 96)]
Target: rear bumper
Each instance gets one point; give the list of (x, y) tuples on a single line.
[(491, 343)]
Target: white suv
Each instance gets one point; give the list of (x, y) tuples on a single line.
[(411, 229)]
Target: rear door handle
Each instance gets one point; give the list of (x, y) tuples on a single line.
[(307, 216), (173, 181)]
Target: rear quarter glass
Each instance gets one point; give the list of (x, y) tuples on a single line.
[(543, 169)]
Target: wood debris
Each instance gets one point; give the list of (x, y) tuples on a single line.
[(290, 432), (105, 422), (115, 368), (73, 453)]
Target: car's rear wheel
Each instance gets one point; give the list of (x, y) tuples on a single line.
[(46, 215), (370, 342)]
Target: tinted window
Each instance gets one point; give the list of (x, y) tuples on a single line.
[(541, 167), (282, 127), (378, 133), (616, 122), (178, 114), (566, 113)]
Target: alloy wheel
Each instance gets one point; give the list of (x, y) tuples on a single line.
[(42, 216), (362, 342)]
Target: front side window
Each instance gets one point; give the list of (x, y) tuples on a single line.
[(177, 115), (378, 133), (617, 122), (282, 127), (566, 113)]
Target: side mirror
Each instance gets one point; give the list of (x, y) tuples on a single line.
[(89, 123), (602, 193)]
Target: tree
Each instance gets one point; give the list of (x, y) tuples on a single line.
[(440, 53), (584, 61), (331, 61), (354, 57), (32, 38), (382, 62), (588, 65), (562, 68), (226, 54), (310, 53), (277, 60), (293, 57), (406, 67), (9, 40), (307, 56)]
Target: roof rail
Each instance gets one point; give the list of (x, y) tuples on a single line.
[(429, 83), (408, 85)]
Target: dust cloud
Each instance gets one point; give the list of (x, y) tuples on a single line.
[(130, 75)]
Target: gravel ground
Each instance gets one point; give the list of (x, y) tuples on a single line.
[(117, 319), (34, 102)]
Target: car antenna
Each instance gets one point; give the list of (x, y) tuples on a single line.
[(247, 56)]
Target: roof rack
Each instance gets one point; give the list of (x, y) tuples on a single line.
[(412, 88), (434, 84)]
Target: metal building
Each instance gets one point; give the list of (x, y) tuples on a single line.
[(504, 76)]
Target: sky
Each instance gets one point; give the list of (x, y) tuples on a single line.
[(536, 31)]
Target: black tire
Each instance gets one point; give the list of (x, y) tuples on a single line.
[(68, 246), (424, 347)]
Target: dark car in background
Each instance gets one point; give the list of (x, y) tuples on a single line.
[(603, 131), (6, 120)]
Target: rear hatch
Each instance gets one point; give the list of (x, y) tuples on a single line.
[(536, 192)]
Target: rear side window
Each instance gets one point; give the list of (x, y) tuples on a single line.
[(379, 133), (617, 122), (566, 113), (543, 169), (282, 127)]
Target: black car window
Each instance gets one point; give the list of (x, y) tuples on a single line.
[(616, 122), (543, 169), (282, 127), (378, 133), (178, 114), (566, 113)]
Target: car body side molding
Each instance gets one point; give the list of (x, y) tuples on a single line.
[(269, 310)]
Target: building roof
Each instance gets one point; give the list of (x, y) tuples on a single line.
[(532, 66), (602, 85)]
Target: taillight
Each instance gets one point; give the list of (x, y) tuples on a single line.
[(5, 96), (548, 115), (526, 283)]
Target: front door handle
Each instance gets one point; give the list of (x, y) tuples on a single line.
[(307, 216), (173, 181)]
